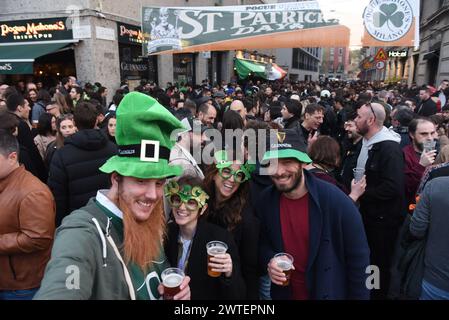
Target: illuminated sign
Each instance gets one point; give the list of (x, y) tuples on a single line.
[(397, 54), (34, 30), (131, 34)]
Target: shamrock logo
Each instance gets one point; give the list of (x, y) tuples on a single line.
[(388, 13)]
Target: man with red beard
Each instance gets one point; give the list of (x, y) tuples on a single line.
[(112, 247)]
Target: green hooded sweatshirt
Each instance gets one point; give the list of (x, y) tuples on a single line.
[(83, 264)]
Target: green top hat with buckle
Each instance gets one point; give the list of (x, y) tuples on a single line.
[(143, 132)]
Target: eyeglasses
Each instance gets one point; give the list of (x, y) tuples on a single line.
[(372, 110), (176, 202), (226, 173)]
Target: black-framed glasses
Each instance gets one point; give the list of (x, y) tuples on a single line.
[(372, 110)]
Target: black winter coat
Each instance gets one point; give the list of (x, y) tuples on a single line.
[(383, 203), (257, 184), (407, 271), (349, 162), (246, 236), (427, 108), (33, 161), (202, 286), (291, 123), (74, 176)]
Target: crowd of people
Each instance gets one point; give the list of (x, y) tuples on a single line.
[(101, 188)]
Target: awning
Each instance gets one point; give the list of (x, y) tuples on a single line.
[(431, 54), (269, 71), (18, 58)]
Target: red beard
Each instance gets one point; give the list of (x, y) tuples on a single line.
[(142, 240)]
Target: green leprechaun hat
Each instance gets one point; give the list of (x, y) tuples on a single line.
[(143, 135)]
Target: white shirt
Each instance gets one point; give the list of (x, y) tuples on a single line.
[(107, 203)]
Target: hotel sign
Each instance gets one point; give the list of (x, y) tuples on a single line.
[(34, 30), (397, 54)]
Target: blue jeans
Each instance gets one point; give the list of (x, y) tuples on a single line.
[(430, 292), (27, 294)]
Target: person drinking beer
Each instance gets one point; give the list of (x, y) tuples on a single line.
[(185, 245), (227, 183)]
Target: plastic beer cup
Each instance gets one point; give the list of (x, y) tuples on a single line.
[(285, 262), (171, 280), (214, 248)]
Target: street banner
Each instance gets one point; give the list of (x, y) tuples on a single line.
[(319, 23)]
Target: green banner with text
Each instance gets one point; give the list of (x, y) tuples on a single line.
[(318, 23), (16, 67)]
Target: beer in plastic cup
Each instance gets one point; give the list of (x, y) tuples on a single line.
[(429, 145), (214, 248), (171, 280), (285, 262)]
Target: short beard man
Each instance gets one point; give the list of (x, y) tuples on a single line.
[(363, 129), (295, 177)]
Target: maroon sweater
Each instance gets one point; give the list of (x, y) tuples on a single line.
[(413, 172)]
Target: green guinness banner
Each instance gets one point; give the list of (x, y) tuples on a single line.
[(16, 67), (319, 23)]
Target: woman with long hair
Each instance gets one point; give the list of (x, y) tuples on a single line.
[(226, 183), (46, 133), (31, 96), (187, 237), (61, 100), (65, 126)]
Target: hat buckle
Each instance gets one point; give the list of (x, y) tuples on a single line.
[(143, 151)]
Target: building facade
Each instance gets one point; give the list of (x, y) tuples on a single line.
[(401, 65), (302, 64), (103, 43), (335, 63), (368, 71), (433, 62)]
